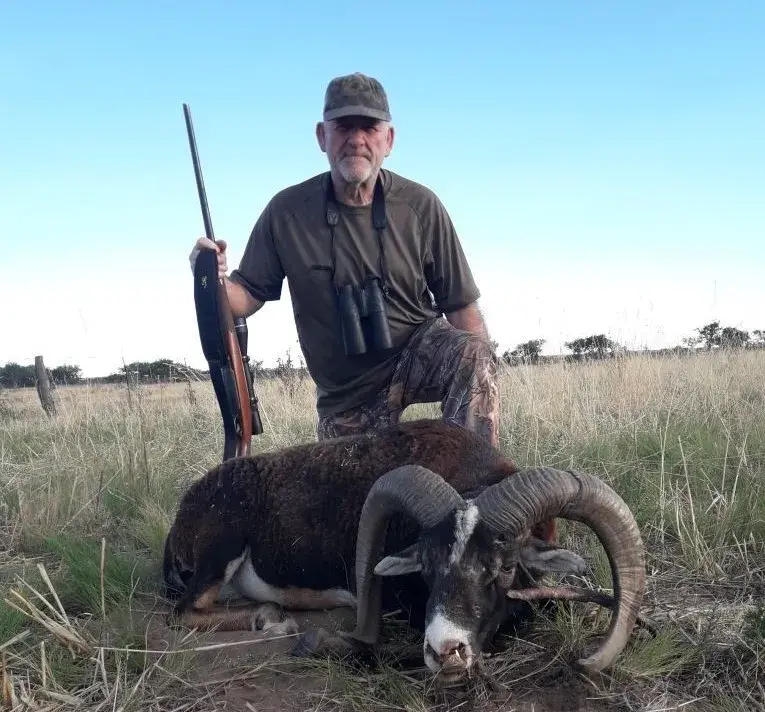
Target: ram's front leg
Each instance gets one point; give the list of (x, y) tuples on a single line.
[(265, 618), (197, 609)]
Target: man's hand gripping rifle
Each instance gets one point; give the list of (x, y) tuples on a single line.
[(224, 338)]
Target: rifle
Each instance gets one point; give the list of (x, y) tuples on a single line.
[(223, 337)]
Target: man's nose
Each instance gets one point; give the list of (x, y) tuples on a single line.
[(355, 136)]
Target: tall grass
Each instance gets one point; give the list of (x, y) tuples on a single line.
[(86, 497)]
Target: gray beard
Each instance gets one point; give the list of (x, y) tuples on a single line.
[(355, 177)]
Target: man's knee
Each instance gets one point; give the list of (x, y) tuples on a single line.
[(479, 348), (473, 398), (477, 360)]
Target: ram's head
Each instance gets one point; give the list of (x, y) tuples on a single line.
[(477, 556)]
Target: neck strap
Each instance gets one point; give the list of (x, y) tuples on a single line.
[(379, 220)]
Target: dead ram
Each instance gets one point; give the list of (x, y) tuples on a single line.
[(424, 516)]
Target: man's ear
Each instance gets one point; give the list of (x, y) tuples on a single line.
[(391, 139), (400, 563), (541, 558), (321, 136)]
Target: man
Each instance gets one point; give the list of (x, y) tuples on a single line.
[(360, 231)]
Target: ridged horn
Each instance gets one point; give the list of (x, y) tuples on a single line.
[(412, 490), (524, 499)]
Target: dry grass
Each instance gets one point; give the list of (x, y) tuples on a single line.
[(86, 498)]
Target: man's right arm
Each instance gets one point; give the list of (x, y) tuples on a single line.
[(240, 300), (242, 303)]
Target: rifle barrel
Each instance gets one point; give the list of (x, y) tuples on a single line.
[(198, 174)]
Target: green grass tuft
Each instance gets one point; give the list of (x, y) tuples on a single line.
[(666, 654), (754, 628), (12, 622), (79, 581)]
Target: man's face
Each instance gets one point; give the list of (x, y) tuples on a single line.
[(356, 146)]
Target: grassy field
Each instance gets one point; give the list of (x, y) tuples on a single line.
[(87, 496)]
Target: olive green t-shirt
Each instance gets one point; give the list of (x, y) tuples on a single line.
[(426, 269)]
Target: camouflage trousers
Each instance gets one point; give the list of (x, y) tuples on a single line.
[(439, 364)]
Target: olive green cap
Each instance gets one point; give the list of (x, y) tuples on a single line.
[(355, 95)]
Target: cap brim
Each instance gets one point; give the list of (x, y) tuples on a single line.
[(356, 111)]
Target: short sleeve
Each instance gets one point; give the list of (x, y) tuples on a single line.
[(447, 272), (260, 270)]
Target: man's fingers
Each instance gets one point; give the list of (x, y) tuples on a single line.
[(207, 244), (204, 243), (219, 246)]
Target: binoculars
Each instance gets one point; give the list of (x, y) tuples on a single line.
[(363, 317)]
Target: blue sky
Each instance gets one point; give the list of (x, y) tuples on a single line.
[(604, 163)]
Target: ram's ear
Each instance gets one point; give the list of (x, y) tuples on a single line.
[(400, 563), (540, 558)]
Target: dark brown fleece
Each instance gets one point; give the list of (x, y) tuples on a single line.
[(298, 508)]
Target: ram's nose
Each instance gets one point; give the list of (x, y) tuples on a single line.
[(452, 655), (450, 649), (447, 645)]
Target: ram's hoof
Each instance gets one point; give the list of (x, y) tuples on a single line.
[(271, 618), (308, 643), (319, 641)]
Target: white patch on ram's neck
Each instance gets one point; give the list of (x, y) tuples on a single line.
[(464, 526)]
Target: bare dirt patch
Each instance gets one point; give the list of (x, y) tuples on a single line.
[(245, 671)]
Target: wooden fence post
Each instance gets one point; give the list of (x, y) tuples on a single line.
[(44, 387)]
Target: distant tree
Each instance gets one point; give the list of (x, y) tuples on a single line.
[(709, 334), (733, 338), (494, 348), (163, 369), (759, 337), (691, 342), (576, 347), (66, 374), (713, 335), (597, 346), (14, 375), (528, 351)]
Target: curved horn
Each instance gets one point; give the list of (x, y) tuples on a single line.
[(410, 489), (518, 502)]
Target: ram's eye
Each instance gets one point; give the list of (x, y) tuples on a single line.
[(507, 573)]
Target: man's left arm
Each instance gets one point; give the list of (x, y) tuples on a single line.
[(449, 276), (468, 318)]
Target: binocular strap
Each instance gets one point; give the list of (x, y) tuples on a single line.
[(379, 220)]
